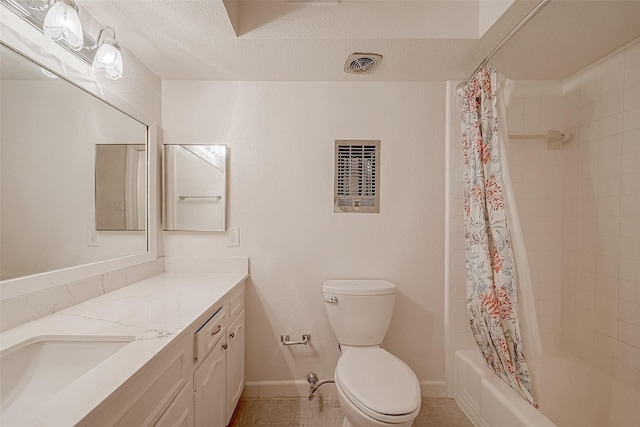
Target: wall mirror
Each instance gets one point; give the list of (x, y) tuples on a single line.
[(194, 182), (49, 131)]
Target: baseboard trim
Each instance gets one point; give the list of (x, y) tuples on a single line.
[(433, 388), (300, 388), (273, 389)]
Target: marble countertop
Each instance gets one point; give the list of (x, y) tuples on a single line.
[(153, 312)]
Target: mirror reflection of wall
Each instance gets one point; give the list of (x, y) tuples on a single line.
[(48, 132), (120, 186), (195, 187)]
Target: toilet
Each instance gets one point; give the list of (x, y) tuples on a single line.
[(375, 388)]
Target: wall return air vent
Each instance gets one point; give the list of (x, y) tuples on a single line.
[(356, 176)]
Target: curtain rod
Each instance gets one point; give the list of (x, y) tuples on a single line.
[(508, 37)]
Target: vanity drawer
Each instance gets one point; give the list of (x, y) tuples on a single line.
[(209, 334), (235, 302)]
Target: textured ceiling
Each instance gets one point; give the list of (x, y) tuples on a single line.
[(269, 40)]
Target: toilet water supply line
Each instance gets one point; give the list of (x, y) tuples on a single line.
[(312, 379)]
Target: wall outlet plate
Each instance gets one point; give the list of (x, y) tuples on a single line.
[(233, 238), (93, 238)]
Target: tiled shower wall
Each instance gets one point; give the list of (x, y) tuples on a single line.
[(601, 215)]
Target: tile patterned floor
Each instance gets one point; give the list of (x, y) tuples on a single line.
[(326, 412)]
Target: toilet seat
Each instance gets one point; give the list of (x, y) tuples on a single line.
[(379, 384)]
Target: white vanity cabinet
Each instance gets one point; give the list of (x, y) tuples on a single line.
[(195, 381), (234, 379), (218, 379), (208, 389), (209, 374), (180, 412), (148, 394)]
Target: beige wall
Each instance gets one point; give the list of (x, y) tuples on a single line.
[(281, 138)]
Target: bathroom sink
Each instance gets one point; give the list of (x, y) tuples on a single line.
[(34, 370)]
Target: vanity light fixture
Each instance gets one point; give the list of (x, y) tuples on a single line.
[(108, 57), (63, 23), (59, 20)]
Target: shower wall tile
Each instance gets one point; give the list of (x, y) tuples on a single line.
[(601, 289), (532, 115), (610, 125), (606, 345), (630, 248), (586, 281), (630, 291), (630, 312), (632, 54), (632, 76), (515, 116), (631, 119), (611, 105), (629, 270), (629, 333), (608, 286), (629, 227), (537, 174), (585, 318), (608, 246), (605, 363), (606, 325), (631, 98), (612, 83), (613, 63), (606, 305), (629, 355), (585, 299)]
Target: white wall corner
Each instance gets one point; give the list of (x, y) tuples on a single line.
[(489, 11), (434, 388)]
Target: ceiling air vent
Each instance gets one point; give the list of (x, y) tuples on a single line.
[(356, 176), (361, 63)]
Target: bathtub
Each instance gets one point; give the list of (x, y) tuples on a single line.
[(571, 394)]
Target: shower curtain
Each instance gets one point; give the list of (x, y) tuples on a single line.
[(490, 213)]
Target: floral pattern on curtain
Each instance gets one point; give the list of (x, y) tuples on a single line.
[(491, 276)]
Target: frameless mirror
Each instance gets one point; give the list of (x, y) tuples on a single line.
[(48, 135), (194, 182)]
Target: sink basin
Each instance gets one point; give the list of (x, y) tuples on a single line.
[(35, 369)]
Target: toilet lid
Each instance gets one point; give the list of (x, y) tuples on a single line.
[(378, 383)]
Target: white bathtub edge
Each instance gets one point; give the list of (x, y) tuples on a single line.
[(487, 400)]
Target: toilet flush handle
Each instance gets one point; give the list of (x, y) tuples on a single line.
[(332, 300)]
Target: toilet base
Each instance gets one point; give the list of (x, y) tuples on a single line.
[(346, 423)]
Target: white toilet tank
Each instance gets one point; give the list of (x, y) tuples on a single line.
[(359, 310)]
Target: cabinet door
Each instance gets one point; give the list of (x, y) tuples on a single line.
[(234, 360), (180, 413), (208, 389)]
